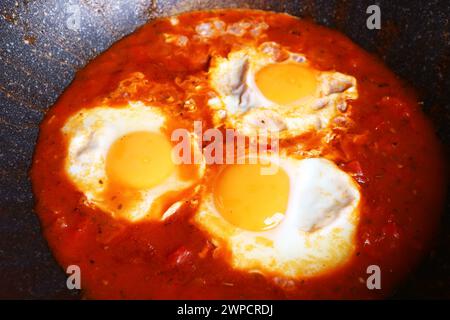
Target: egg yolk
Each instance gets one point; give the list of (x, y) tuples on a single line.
[(285, 83), (140, 160), (249, 199)]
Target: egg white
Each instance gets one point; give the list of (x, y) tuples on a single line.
[(316, 234), (241, 105), (90, 134)]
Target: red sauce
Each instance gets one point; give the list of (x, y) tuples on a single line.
[(390, 150)]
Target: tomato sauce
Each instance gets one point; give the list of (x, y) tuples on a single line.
[(389, 148)]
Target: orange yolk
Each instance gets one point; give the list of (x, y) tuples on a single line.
[(140, 160), (249, 199), (286, 83)]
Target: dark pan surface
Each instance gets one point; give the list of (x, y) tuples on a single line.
[(41, 47)]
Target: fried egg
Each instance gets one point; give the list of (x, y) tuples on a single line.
[(296, 221), (269, 88), (121, 160)]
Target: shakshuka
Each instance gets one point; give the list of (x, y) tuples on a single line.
[(356, 179)]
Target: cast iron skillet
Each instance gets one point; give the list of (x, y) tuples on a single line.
[(43, 43)]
